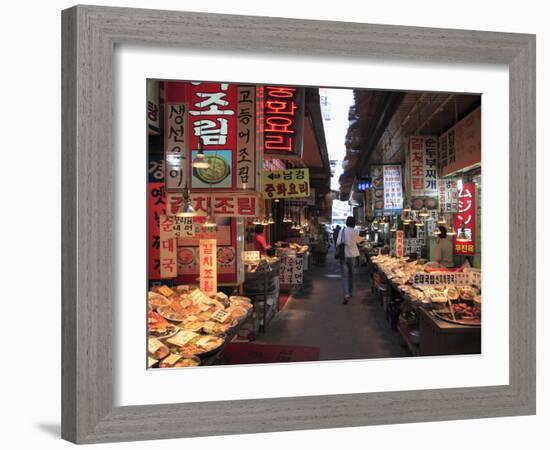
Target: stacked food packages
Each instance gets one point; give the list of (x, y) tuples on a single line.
[(291, 247), (459, 303), (184, 324)]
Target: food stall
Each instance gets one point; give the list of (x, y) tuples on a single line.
[(438, 311), (261, 285), (187, 328)]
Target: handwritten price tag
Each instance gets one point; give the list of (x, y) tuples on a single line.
[(166, 291), (221, 316), (182, 338), (153, 345), (172, 359), (203, 342)]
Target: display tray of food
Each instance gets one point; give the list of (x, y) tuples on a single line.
[(184, 321)]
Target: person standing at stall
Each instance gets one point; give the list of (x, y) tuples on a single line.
[(443, 249), (260, 244), (350, 237)]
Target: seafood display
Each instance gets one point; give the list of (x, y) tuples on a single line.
[(184, 324)]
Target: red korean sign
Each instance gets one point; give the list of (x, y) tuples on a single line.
[(464, 242), (156, 202), (213, 118), (223, 205), (399, 243), (282, 121), (208, 266)]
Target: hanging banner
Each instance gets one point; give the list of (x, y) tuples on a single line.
[(175, 135), (222, 204), (399, 243), (448, 195), (393, 192), (213, 118), (168, 259), (208, 266), (153, 107), (422, 176), (291, 183), (460, 147), (156, 206), (377, 175), (464, 242), (246, 137), (283, 121), (291, 270)]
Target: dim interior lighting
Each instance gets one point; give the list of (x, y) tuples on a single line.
[(200, 161), (186, 210)]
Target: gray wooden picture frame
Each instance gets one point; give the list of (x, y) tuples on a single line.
[(90, 34)]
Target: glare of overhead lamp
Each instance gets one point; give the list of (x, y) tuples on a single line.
[(419, 224), (451, 231), (210, 220), (186, 210), (270, 220), (423, 213), (200, 161), (256, 221), (441, 220), (407, 207)]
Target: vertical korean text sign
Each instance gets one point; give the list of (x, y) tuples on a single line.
[(208, 266)]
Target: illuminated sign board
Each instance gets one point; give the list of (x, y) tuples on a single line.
[(282, 124)]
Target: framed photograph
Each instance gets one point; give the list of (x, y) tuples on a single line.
[(200, 198)]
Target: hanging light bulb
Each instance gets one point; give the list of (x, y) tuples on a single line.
[(270, 220), (256, 221), (407, 207), (451, 231), (210, 219), (423, 213), (200, 161), (441, 220), (186, 210)]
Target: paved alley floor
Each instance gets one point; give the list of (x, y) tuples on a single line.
[(316, 317)]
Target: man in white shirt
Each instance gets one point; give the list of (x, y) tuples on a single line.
[(349, 236)]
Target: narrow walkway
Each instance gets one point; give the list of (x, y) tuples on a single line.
[(316, 317)]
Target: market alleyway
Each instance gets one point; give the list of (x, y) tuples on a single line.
[(316, 317)]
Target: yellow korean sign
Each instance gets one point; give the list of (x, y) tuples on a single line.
[(291, 183)]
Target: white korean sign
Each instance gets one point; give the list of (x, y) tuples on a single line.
[(393, 192)]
